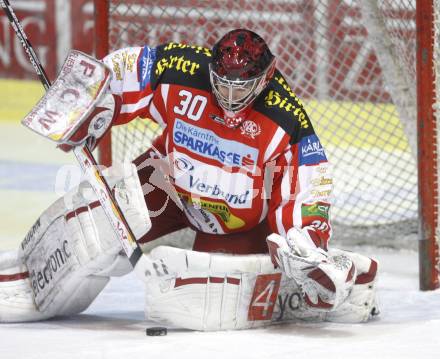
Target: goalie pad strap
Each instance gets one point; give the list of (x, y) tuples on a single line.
[(369, 276), (80, 210), (13, 277)]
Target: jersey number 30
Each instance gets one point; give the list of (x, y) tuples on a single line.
[(190, 106)]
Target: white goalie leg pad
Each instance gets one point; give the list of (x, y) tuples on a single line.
[(201, 291), (361, 305), (204, 291), (16, 297), (325, 278), (70, 253)]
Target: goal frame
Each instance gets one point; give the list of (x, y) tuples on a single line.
[(427, 147), (101, 47), (426, 134)]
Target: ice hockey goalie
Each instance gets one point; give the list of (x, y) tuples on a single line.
[(238, 161)]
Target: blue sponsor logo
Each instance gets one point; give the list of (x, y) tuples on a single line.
[(183, 164), (207, 144), (146, 61), (207, 186), (215, 191), (311, 151)]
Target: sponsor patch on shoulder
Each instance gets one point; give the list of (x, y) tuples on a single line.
[(146, 61), (311, 151)]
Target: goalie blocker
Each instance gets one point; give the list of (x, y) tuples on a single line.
[(77, 107)]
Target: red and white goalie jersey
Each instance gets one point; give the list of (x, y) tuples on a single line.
[(228, 179)]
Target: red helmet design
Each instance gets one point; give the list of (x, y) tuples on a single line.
[(241, 68)]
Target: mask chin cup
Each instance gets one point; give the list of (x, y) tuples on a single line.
[(234, 119)]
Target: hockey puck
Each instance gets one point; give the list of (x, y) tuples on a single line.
[(156, 331)]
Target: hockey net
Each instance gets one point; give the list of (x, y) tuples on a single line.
[(352, 62)]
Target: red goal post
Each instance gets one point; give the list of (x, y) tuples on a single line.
[(428, 22), (368, 87)]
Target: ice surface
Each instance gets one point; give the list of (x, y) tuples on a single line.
[(114, 325)]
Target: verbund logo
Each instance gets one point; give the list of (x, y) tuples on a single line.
[(210, 181), (207, 144)]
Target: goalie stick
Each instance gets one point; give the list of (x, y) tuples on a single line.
[(84, 156)]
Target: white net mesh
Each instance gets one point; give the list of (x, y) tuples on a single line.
[(352, 62)]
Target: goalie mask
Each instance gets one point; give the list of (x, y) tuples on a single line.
[(241, 68)]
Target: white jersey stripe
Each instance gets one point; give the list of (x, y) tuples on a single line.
[(133, 107), (279, 221), (164, 91), (286, 185), (167, 141), (264, 211), (286, 182), (156, 115), (276, 139), (304, 179)]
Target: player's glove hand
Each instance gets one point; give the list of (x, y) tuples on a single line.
[(296, 253), (96, 125), (325, 278)]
